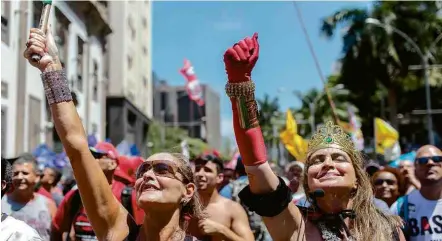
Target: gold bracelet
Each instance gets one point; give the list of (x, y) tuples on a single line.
[(241, 89), (247, 111)]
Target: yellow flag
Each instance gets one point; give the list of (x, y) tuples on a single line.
[(294, 143), (386, 135)]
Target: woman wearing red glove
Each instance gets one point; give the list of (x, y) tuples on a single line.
[(164, 183), (334, 178)]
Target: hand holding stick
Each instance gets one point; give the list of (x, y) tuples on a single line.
[(43, 26)]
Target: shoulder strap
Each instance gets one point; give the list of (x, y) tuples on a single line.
[(126, 199), (402, 207)]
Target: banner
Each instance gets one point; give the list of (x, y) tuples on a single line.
[(193, 86), (294, 143), (386, 137)]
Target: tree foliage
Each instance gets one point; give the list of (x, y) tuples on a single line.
[(375, 61), (164, 138)]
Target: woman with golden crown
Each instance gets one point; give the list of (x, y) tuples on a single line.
[(334, 179)]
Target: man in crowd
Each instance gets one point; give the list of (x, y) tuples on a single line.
[(23, 203), (421, 209), (71, 217), (49, 181), (12, 229), (226, 219), (293, 172), (231, 191), (407, 169)]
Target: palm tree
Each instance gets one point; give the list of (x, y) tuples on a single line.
[(268, 110), (322, 110), (374, 57)]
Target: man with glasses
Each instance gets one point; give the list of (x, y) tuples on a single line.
[(421, 209), (226, 220)]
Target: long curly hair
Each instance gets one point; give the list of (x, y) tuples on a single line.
[(370, 222), (193, 208)]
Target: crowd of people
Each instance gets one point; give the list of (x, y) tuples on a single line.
[(331, 195)]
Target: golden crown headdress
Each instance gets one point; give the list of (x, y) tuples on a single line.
[(331, 135)]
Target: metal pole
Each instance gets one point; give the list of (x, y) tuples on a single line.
[(312, 116), (424, 58), (428, 100), (163, 129)]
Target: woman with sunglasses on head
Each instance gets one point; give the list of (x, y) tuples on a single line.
[(388, 185), (334, 179), (165, 187)]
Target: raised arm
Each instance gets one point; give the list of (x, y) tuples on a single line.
[(103, 210), (239, 61)]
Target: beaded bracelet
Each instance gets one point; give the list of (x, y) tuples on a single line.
[(240, 89), (56, 86)]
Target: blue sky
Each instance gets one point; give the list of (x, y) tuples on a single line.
[(202, 31)]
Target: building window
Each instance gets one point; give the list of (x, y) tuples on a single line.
[(95, 82), (4, 90), (34, 126), (6, 11), (144, 81), (129, 62), (131, 27), (61, 35), (3, 131), (144, 50), (36, 13), (94, 128), (80, 46), (144, 21)]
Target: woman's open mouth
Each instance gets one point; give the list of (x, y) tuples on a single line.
[(328, 175)]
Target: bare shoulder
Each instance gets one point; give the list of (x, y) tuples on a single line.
[(234, 207)]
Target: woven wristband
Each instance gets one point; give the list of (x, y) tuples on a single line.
[(56, 86)]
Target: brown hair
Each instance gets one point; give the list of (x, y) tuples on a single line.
[(399, 177), (370, 221), (192, 208)]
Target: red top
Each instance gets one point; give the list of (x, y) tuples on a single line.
[(83, 229), (45, 193)]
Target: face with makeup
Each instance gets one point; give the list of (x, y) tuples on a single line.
[(331, 170), (163, 182)]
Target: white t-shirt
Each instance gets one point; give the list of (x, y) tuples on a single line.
[(424, 217), (15, 230)]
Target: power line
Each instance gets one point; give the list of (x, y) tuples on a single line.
[(318, 67)]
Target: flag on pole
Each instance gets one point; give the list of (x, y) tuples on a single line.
[(294, 143), (386, 136), (193, 86), (353, 128)]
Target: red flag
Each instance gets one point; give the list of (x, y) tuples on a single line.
[(193, 86)]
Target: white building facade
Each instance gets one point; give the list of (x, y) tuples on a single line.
[(26, 121), (130, 89)]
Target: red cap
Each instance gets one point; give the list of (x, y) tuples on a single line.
[(108, 148), (127, 167)]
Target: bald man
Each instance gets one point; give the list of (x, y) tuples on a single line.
[(422, 209)]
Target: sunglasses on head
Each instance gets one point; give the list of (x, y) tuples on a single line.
[(426, 159), (160, 168), (379, 182)]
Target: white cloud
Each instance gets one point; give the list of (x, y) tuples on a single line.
[(228, 25)]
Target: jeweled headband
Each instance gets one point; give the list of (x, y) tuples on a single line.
[(331, 135)]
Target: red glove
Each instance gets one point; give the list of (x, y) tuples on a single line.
[(241, 58), (239, 61)]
